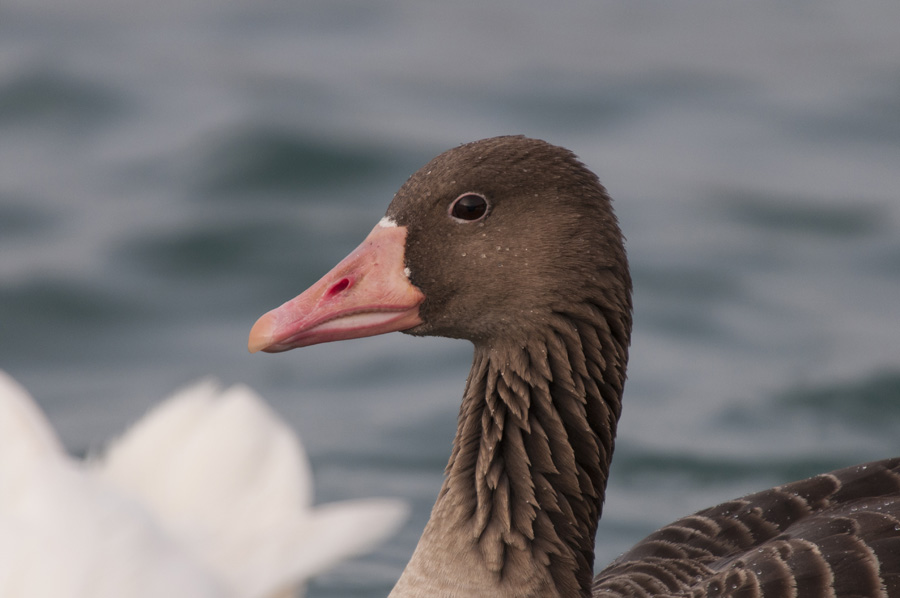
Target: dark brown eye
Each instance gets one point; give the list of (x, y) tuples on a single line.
[(469, 207)]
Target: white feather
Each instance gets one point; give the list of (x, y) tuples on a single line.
[(210, 494)]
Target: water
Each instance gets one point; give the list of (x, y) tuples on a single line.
[(170, 170)]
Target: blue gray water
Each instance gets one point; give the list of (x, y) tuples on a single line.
[(170, 170)]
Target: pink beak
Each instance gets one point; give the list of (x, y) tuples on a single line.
[(368, 293)]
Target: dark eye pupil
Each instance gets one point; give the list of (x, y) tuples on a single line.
[(469, 207)]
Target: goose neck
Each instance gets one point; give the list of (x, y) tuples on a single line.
[(526, 479)]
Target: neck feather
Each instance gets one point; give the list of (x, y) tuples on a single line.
[(527, 476)]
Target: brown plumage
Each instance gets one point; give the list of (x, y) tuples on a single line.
[(837, 534), (535, 275)]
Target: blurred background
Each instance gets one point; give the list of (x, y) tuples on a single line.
[(171, 170)]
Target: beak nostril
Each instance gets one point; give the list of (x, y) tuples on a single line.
[(339, 286)]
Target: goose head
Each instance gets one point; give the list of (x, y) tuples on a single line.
[(486, 242)]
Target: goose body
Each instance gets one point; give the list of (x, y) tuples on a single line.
[(208, 496), (512, 244)]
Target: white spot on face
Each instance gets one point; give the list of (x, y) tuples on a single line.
[(406, 272), (387, 223)]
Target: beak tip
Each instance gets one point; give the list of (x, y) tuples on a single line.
[(261, 334)]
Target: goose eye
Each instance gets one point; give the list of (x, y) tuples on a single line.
[(469, 207)]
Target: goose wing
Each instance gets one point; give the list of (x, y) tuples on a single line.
[(835, 534)]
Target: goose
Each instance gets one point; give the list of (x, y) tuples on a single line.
[(209, 495), (512, 243)]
